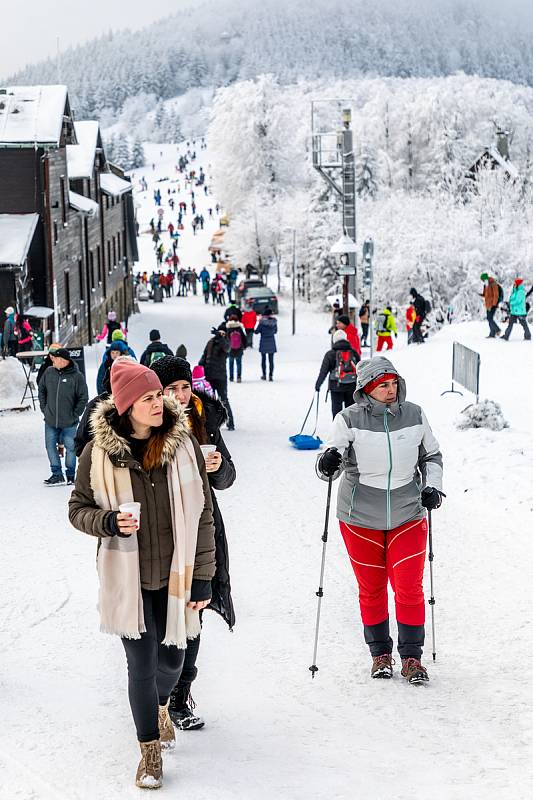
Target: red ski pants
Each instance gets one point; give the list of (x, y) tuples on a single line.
[(397, 556), (382, 341)]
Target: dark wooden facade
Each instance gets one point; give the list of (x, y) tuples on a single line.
[(80, 264)]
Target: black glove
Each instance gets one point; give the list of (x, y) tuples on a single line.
[(317, 387), (431, 498), (330, 462)]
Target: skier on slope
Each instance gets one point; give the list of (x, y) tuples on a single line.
[(392, 469), (205, 416)]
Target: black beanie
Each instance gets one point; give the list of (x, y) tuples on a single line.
[(172, 368), (344, 319), (154, 335)]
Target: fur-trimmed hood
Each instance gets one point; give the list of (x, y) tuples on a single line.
[(174, 425)]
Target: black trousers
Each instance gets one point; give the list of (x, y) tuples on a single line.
[(494, 328), (523, 322), (340, 399), (221, 388), (270, 364), (410, 639), (417, 333), (153, 668), (364, 330)]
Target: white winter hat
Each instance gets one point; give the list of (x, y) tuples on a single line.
[(9, 310), (339, 336)]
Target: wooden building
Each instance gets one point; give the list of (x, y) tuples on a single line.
[(80, 260)]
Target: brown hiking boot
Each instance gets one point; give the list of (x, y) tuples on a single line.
[(150, 769), (413, 671), (166, 728), (382, 666)]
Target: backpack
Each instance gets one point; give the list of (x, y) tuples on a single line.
[(156, 356), (345, 367), (500, 294), (381, 324), (235, 340), (427, 307)]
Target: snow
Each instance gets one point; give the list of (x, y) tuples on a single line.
[(81, 203), (16, 234), (12, 383), (112, 184), (33, 114), (270, 730), (80, 157), (507, 165)]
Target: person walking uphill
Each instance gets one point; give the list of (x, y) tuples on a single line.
[(63, 396), (386, 328), (267, 329), (343, 324), (492, 296), (205, 416), (422, 308), (340, 364), (156, 349), (517, 310), (213, 360), (392, 469), (155, 574)]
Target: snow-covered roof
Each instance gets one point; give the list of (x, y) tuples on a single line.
[(31, 114), (80, 157), (81, 203), (112, 184), (16, 233), (507, 165)]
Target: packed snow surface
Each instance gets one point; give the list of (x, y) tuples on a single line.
[(271, 731)]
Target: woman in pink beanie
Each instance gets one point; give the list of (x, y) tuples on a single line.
[(154, 565)]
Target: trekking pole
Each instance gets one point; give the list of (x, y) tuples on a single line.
[(313, 668), (431, 598)]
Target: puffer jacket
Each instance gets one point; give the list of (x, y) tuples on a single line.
[(150, 489), (386, 323), (517, 301), (63, 396), (214, 358), (389, 455), (267, 329)]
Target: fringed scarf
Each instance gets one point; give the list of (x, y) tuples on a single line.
[(120, 599)]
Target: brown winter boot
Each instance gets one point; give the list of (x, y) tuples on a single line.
[(382, 666), (150, 769), (166, 728), (413, 671)]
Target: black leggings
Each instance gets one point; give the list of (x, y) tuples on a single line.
[(153, 668), (270, 357)]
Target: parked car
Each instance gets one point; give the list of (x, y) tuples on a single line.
[(259, 298), (247, 284), (142, 292)]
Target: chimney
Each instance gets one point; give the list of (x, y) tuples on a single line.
[(502, 143)]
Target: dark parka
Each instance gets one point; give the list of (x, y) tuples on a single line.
[(215, 417), (329, 366), (155, 347), (267, 328), (214, 358), (150, 489), (63, 396)]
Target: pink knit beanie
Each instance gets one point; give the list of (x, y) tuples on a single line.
[(129, 381)]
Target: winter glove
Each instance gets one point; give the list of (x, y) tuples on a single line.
[(431, 498), (330, 462)]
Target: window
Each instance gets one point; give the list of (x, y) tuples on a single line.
[(56, 234), (99, 263), (109, 256), (114, 252), (107, 202), (67, 291), (80, 280), (119, 248), (91, 269), (63, 204)]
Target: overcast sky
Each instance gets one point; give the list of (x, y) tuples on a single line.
[(30, 30)]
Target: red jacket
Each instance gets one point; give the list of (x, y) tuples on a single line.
[(353, 337), (249, 319)]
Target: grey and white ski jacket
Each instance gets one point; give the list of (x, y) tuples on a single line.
[(389, 455)]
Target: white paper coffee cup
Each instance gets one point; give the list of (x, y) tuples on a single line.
[(207, 448), (131, 508)]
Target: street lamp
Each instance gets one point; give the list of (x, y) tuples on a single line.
[(344, 247)]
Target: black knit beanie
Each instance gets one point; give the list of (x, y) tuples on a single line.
[(171, 368)]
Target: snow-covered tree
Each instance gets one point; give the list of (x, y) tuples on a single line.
[(137, 154)]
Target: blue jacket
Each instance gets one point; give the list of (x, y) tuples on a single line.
[(267, 328), (517, 301)]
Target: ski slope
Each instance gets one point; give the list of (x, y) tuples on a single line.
[(271, 731)]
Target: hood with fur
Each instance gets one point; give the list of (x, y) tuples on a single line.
[(174, 425)]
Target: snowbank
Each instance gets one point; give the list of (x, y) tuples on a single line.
[(12, 383)]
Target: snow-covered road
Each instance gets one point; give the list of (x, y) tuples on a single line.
[(272, 732)]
